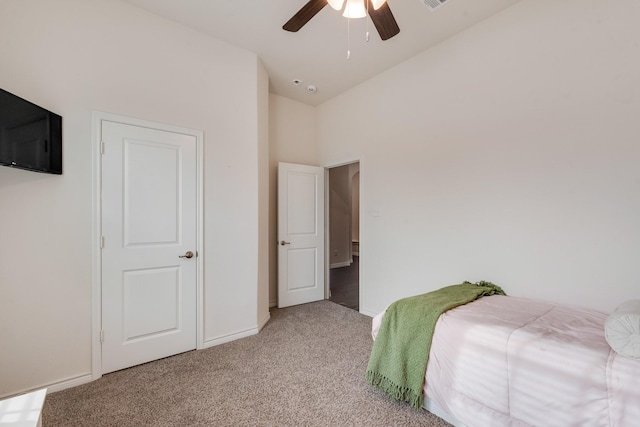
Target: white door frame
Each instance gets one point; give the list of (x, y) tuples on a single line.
[(327, 230), (96, 229)]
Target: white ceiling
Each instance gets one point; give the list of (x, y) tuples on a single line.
[(317, 53)]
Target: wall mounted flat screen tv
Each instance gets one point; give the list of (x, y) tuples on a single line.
[(30, 136)]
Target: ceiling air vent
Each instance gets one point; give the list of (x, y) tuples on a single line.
[(433, 4)]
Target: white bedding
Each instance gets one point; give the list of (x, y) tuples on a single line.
[(622, 329), (506, 361)]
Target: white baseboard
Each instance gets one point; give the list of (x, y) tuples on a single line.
[(56, 386), (71, 382), (367, 312), (87, 378), (264, 321), (231, 337), (340, 264)]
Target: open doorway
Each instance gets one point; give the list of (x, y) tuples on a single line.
[(344, 234)]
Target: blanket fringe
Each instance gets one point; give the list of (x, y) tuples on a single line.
[(393, 390)]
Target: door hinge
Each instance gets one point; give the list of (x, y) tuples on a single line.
[(101, 242), (102, 336), (102, 147)]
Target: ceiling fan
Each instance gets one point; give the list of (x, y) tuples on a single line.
[(378, 10)]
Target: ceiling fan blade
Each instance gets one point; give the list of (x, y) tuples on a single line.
[(384, 21), (305, 14)]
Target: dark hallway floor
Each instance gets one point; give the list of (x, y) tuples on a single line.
[(344, 284)]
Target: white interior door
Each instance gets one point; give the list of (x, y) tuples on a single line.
[(149, 229), (300, 234)]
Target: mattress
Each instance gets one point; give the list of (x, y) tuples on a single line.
[(507, 361)]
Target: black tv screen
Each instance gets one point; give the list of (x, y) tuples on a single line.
[(30, 136)]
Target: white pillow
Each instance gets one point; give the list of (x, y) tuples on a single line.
[(622, 329)]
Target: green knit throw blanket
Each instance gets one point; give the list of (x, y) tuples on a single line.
[(398, 360)]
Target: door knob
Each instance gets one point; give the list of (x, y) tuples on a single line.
[(189, 254), (282, 243)]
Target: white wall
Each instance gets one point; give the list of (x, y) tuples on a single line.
[(508, 153), (292, 139), (76, 56)]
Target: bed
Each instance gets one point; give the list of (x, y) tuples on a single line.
[(508, 361)]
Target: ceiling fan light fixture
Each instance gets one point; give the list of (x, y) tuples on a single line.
[(355, 9), (336, 4), (378, 11)]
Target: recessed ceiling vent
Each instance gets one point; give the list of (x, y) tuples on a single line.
[(433, 4)]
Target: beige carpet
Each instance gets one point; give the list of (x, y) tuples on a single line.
[(306, 368)]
